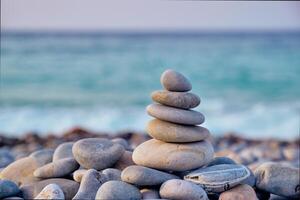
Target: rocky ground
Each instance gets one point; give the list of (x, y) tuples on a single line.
[(249, 152)]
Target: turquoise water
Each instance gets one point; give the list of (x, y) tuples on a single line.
[(248, 83)]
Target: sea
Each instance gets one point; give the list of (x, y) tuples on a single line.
[(248, 82)]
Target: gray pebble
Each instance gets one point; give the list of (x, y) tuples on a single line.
[(179, 190), (175, 115), (56, 169), (144, 176), (221, 160), (64, 150), (122, 142), (112, 174), (8, 189), (175, 81), (219, 178), (118, 190), (51, 191), (90, 183), (97, 153)]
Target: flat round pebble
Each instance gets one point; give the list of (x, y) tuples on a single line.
[(90, 183), (97, 153), (173, 157), (8, 189), (175, 81), (183, 100), (280, 179), (51, 191), (68, 187), (64, 150), (56, 169), (170, 132), (144, 176), (175, 115), (118, 190), (180, 190), (239, 192), (219, 178)]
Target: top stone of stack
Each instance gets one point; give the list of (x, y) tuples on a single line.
[(175, 82)]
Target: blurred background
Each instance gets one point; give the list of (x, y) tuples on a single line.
[(94, 64)]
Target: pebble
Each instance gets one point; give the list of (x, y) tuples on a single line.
[(183, 100), (78, 174), (173, 157), (144, 176), (170, 132), (68, 187), (220, 161), (64, 150), (90, 183), (122, 142), (51, 191), (279, 179), (250, 180), (118, 190), (112, 174), (124, 161), (239, 192), (219, 178), (179, 190), (175, 115), (21, 171), (43, 156), (175, 81), (6, 157), (97, 153), (56, 169), (8, 189), (149, 194)]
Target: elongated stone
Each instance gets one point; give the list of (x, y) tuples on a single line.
[(97, 153), (175, 81), (183, 100), (118, 190), (277, 178), (170, 132), (173, 157), (144, 176), (239, 192), (51, 191), (179, 189), (219, 178), (90, 183), (175, 115), (59, 168), (64, 150)]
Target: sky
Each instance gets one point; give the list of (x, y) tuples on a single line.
[(142, 15)]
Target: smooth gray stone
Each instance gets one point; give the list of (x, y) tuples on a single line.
[(177, 133), (219, 178), (6, 157), (8, 189), (78, 174), (64, 150), (277, 178), (149, 194), (51, 191), (122, 142), (44, 156), (112, 174), (251, 180), (173, 157), (68, 187), (118, 190), (144, 176), (90, 183), (175, 115), (183, 100), (97, 153), (56, 169), (221, 160), (175, 81), (179, 190)]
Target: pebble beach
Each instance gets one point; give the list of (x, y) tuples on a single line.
[(176, 158)]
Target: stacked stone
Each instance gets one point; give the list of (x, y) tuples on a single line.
[(178, 143)]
